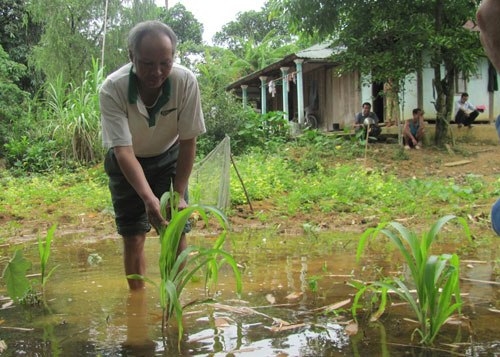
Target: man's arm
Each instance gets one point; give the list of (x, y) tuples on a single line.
[(134, 174), (406, 129), (185, 161)]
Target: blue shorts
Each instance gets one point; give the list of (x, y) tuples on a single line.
[(130, 213)]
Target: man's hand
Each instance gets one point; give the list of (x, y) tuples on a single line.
[(182, 204), (153, 212)]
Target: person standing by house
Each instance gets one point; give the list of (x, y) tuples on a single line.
[(391, 104), (465, 112), (367, 120), (151, 116), (413, 131)]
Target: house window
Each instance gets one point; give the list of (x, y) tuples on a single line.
[(460, 83)]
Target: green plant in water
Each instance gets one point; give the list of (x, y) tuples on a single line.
[(14, 275), (435, 277), (44, 247), (177, 270), (19, 288)]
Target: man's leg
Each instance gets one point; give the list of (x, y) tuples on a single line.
[(407, 141), (460, 118), (420, 136), (472, 116), (134, 259)]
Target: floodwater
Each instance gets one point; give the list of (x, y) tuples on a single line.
[(287, 284)]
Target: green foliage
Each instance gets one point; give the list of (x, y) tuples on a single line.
[(435, 277), (62, 131), (19, 287), (264, 175), (14, 275), (12, 98), (77, 110), (303, 176), (253, 26), (18, 34), (223, 116), (185, 25), (263, 130), (20, 196), (177, 270), (26, 154)]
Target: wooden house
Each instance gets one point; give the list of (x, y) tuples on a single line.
[(308, 82)]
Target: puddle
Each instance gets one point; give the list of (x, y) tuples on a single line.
[(287, 280)]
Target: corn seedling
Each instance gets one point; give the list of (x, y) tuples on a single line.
[(177, 270), (44, 253), (435, 277)]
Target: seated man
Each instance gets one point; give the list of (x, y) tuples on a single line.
[(413, 131), (366, 119), (465, 112)]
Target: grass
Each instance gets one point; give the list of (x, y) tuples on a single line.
[(297, 180)]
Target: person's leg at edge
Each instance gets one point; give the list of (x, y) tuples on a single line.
[(134, 259)]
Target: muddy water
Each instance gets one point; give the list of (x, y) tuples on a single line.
[(287, 283)]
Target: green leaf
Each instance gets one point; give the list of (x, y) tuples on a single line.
[(14, 275)]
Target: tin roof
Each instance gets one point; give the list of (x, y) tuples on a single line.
[(319, 53)]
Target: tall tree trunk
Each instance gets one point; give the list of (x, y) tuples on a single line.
[(440, 85)]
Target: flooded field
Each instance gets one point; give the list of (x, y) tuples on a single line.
[(290, 285)]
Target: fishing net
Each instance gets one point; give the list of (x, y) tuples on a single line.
[(209, 181)]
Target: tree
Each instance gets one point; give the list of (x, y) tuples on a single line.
[(72, 32), (253, 26), (389, 39), (188, 29), (18, 34), (121, 19), (12, 98)]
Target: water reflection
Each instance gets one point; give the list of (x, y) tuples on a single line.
[(138, 342)]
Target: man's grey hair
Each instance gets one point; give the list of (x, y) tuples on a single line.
[(142, 29)]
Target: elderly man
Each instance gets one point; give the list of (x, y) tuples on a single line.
[(151, 116)]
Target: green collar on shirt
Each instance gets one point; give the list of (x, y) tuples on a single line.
[(133, 93)]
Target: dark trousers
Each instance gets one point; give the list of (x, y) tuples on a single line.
[(466, 120)]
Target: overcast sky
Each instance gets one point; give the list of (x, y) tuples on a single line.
[(214, 14)]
